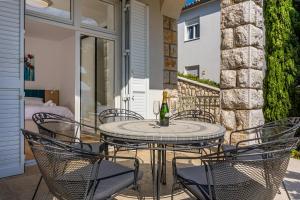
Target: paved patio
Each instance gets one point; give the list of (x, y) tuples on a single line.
[(22, 187)]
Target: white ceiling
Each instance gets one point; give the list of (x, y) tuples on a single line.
[(46, 31)]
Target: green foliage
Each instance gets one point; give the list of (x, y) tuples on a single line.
[(295, 154), (282, 57), (195, 78)]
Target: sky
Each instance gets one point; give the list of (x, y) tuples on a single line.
[(189, 1)]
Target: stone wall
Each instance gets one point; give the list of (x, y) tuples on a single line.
[(170, 53), (188, 87), (242, 60), (193, 95)]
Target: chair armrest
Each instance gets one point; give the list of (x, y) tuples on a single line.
[(242, 130)]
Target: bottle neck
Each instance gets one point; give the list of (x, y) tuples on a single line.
[(164, 100)]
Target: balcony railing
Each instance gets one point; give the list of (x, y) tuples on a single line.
[(206, 103)]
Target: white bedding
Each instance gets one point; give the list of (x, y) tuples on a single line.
[(59, 110)]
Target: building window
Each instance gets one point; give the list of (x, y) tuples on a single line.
[(98, 14), (193, 70), (57, 10), (192, 29)]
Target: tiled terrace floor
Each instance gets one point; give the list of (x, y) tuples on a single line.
[(22, 187)]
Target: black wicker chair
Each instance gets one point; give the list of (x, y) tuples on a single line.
[(64, 129), (201, 116), (195, 115), (72, 173), (238, 174), (115, 115), (279, 129)]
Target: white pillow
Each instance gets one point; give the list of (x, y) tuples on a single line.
[(33, 101), (49, 103)]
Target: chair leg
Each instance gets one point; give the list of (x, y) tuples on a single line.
[(139, 193), (37, 188), (115, 153), (287, 193), (173, 190)]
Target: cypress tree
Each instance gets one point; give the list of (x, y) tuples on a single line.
[(282, 49)]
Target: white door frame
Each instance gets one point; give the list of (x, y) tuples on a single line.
[(147, 90), (77, 68)]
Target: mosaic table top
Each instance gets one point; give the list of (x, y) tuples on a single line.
[(146, 130)]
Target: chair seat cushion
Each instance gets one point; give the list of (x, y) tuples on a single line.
[(194, 176), (96, 147), (195, 179), (113, 178)]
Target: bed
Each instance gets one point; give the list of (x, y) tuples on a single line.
[(43, 101)]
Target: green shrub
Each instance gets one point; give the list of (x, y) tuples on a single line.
[(295, 154), (195, 78), (282, 57)]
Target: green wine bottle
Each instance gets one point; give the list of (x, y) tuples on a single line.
[(164, 111)]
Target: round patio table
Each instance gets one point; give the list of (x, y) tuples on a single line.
[(147, 132)]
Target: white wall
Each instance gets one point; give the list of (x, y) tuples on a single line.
[(47, 63), (206, 50), (54, 67), (67, 76)]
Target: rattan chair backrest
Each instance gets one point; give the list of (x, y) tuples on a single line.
[(68, 171), (115, 115), (195, 115)]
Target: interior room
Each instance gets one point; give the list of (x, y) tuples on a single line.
[(49, 71)]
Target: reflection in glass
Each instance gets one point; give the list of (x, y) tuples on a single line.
[(97, 13), (60, 9), (97, 78)]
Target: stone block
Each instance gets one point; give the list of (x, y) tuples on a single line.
[(248, 35), (168, 36), (227, 38), (173, 24), (174, 37), (228, 119), (166, 49), (249, 118), (228, 79), (238, 14), (166, 77), (173, 77), (258, 2), (242, 99), (166, 22), (256, 58), (226, 3), (259, 17), (250, 78), (245, 57), (170, 64), (173, 50), (256, 99)]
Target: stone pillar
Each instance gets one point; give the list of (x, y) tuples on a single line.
[(170, 54), (242, 60)]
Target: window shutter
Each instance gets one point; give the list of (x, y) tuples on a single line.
[(11, 87), (139, 78)]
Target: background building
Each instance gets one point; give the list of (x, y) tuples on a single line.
[(199, 39)]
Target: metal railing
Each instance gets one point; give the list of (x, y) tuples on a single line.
[(210, 104)]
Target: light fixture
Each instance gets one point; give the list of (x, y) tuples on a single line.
[(39, 3)]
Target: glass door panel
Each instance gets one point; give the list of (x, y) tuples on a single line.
[(97, 78)]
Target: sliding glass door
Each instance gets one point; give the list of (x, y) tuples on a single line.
[(96, 77)]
